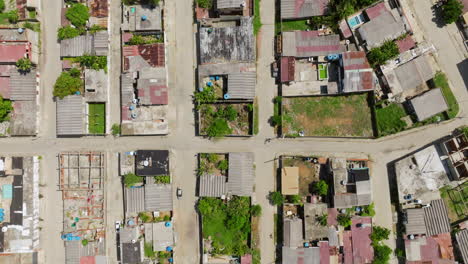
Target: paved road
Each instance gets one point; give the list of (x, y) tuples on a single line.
[(184, 145)]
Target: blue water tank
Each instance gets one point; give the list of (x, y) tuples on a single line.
[(226, 96), (1, 209), (209, 84), (144, 17), (78, 93), (168, 224), (306, 244), (20, 30), (132, 107), (170, 260), (212, 78), (169, 249), (217, 77)]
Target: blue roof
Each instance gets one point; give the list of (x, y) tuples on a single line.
[(7, 191)]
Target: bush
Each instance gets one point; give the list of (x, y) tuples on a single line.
[(320, 188), (74, 72), (368, 210), (223, 165), (2, 5), (84, 242), (218, 128), (96, 28), (256, 210), (93, 62), (141, 40), (144, 217), (205, 3), (230, 113), (13, 16), (130, 179), (381, 254), (276, 120), (78, 15), (212, 157), (379, 233), (344, 220), (66, 84), (115, 129), (295, 199), (276, 198), (32, 26), (162, 179), (148, 248), (322, 219), (167, 218), (206, 96), (379, 55), (68, 32), (451, 11), (5, 109), (24, 64)]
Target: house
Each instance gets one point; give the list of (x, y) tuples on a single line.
[(142, 18), (95, 85), (12, 52), (160, 234), (429, 104), (89, 44), (361, 228), (158, 197), (456, 150), (301, 255), (71, 118), (139, 57), (351, 186), (23, 93), (302, 44), (131, 252), (292, 232), (462, 243), (296, 9), (384, 24), (358, 74), (239, 182), (430, 249), (290, 180), (314, 230), (152, 162)]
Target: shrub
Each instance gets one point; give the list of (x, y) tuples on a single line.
[(256, 210), (74, 72), (144, 217), (148, 248), (452, 10), (276, 120), (381, 254), (368, 210), (379, 55), (206, 96), (379, 233), (162, 179), (320, 188), (344, 220), (115, 129), (212, 157), (167, 218), (295, 199), (218, 128), (66, 85), (130, 179), (93, 62), (24, 64), (230, 113), (32, 26), (400, 253), (322, 219), (223, 165), (68, 32), (276, 198), (2, 5), (205, 3), (84, 242), (5, 109), (96, 28), (13, 16), (78, 15)]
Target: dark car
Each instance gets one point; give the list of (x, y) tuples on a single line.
[(179, 193)]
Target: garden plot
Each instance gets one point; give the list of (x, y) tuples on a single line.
[(218, 120), (337, 116)]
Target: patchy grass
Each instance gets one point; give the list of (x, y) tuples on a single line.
[(338, 116), (256, 121), (292, 25), (389, 119), (308, 173), (456, 200), (213, 163), (256, 258), (4, 19), (239, 126), (257, 22), (97, 118), (440, 80)]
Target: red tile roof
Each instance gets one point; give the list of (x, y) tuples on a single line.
[(287, 68), (126, 36), (99, 8), (12, 53), (5, 87), (362, 249), (405, 44), (324, 252), (153, 53), (347, 247), (345, 30), (375, 11)]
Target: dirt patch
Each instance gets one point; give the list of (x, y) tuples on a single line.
[(308, 172), (213, 164)]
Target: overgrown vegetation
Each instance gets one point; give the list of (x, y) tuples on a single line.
[(131, 179), (32, 26), (141, 40), (67, 84), (381, 251), (256, 210), (294, 199), (5, 109), (441, 81), (320, 188), (368, 210), (257, 22), (163, 179), (96, 28), (68, 32), (452, 10), (12, 16), (78, 15), (116, 129), (205, 3), (388, 119), (24, 64), (93, 62), (213, 163), (276, 198), (322, 219), (206, 95), (379, 55), (344, 220), (219, 120), (97, 118), (84, 242), (276, 118), (148, 249), (379, 233), (227, 225)]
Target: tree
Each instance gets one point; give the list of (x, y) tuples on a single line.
[(74, 72), (115, 129), (381, 254), (78, 15), (207, 95), (144, 217), (84, 242), (5, 109), (218, 128), (230, 113), (379, 233), (93, 62), (276, 198), (223, 165), (256, 210), (295, 199), (13, 16), (320, 188), (379, 55), (68, 32), (452, 10), (368, 210), (322, 219), (24, 64), (96, 28), (344, 220), (205, 3), (130, 179), (66, 85), (2, 5)]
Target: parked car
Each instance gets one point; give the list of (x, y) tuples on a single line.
[(179, 193), (117, 226)]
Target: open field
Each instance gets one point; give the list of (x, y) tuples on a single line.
[(337, 116)]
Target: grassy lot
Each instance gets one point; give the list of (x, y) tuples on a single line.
[(97, 118), (389, 119), (456, 200), (257, 23), (440, 80), (237, 124), (292, 25), (340, 116)]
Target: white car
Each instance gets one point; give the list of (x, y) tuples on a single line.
[(117, 225)]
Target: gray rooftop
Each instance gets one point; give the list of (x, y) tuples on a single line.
[(413, 73), (127, 89), (12, 34), (72, 252), (95, 85), (429, 104), (386, 26), (24, 120), (133, 18), (291, 9), (163, 236), (462, 241), (309, 44), (242, 85), (77, 46), (416, 224), (228, 4), (313, 229), (131, 252), (292, 232), (158, 197), (101, 43), (70, 115), (228, 44), (241, 173), (436, 218), (134, 200), (23, 86), (212, 185), (301, 255)]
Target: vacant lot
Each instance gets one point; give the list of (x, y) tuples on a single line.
[(308, 172), (97, 118), (338, 116), (456, 200), (236, 124), (389, 119)]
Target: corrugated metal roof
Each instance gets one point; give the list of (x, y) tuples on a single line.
[(301, 255), (158, 197), (70, 115), (429, 104), (309, 44), (358, 74), (222, 4), (292, 232), (77, 46), (212, 185), (462, 241), (287, 69), (345, 200), (384, 27), (101, 43), (416, 224), (303, 8), (241, 173), (134, 200), (414, 73), (23, 86), (241, 85), (436, 218), (127, 89), (72, 252)]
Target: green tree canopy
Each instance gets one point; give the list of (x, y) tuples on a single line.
[(5, 109), (93, 62), (24, 64), (295, 199), (130, 179), (379, 55), (256, 210), (452, 10), (13, 16), (2, 5), (66, 84), (276, 198), (218, 128), (205, 3), (320, 188), (381, 254), (344, 220), (68, 32), (379, 233), (78, 15)]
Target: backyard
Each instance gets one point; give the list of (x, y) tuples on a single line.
[(213, 164), (337, 116), (96, 118), (389, 119), (456, 200), (218, 120)]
